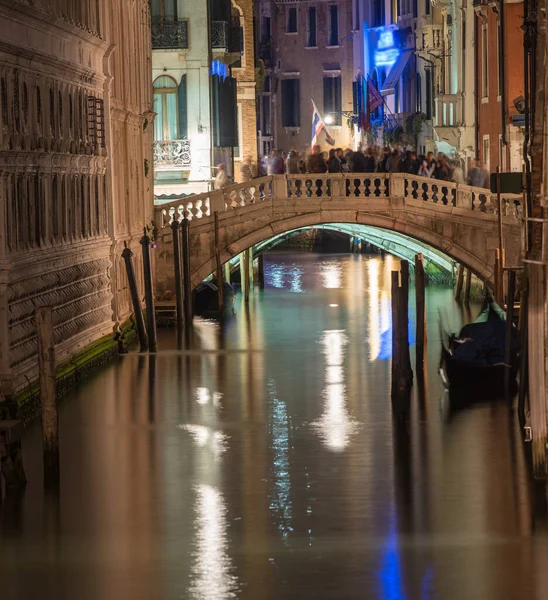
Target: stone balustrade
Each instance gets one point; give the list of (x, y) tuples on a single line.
[(330, 187)]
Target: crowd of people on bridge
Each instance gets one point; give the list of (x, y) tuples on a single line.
[(373, 159)]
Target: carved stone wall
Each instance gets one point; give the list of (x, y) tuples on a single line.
[(75, 151)]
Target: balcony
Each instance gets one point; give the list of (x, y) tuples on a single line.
[(226, 39), (449, 117), (169, 35), (429, 40), (172, 154), (219, 36)]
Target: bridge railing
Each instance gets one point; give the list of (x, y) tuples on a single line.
[(331, 186)]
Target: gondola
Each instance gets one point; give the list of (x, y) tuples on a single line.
[(472, 364), (206, 299)]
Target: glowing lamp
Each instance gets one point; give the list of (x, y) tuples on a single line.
[(329, 119)]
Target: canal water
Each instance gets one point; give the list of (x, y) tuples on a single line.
[(266, 463)]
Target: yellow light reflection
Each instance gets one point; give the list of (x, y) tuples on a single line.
[(336, 426), (205, 437), (212, 568), (203, 396), (373, 272), (331, 274)]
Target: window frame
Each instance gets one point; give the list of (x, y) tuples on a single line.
[(330, 31), (484, 62), (309, 28), (298, 101), (287, 19), (163, 93)]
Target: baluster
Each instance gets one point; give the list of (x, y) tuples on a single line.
[(383, 191), (298, 187), (308, 184), (207, 205), (318, 189), (476, 200), (489, 205), (367, 187)]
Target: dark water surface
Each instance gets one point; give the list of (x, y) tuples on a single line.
[(268, 465)]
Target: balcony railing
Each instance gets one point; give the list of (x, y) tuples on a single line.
[(430, 39), (219, 35), (172, 154), (169, 35), (449, 113)]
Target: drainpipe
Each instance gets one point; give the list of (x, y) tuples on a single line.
[(210, 88), (476, 87), (502, 74)]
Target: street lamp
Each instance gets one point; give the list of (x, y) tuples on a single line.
[(329, 120)]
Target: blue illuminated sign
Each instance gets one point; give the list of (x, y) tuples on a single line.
[(219, 68), (385, 50)]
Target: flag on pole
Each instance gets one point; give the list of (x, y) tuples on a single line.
[(317, 125), (374, 98)]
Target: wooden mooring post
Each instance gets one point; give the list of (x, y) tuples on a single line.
[(402, 375), (244, 274), (149, 295), (127, 255), (260, 260), (467, 286), (420, 307), (187, 286), (509, 327), (175, 226), (460, 278), (219, 268), (48, 404)]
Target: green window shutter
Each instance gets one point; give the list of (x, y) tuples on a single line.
[(182, 107)]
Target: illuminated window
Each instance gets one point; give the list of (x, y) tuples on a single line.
[(165, 107), (291, 116), (311, 38), (333, 34), (164, 10), (484, 63), (486, 156), (332, 99), (291, 20)]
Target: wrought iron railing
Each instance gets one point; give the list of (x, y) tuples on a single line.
[(172, 153), (219, 35), (168, 35)]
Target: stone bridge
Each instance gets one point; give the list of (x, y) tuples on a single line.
[(458, 220)]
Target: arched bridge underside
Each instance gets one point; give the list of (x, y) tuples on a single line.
[(397, 244), (457, 220)]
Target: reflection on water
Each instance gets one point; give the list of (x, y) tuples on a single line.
[(267, 464)]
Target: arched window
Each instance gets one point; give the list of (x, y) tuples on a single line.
[(166, 108)]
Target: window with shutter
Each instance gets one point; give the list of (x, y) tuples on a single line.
[(182, 106), (290, 103), (332, 99), (333, 36), (291, 25), (311, 36)]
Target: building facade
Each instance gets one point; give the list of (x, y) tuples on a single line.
[(500, 73), (306, 48), (204, 91), (74, 102)]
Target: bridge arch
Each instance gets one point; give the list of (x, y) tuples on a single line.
[(482, 270), (456, 220)]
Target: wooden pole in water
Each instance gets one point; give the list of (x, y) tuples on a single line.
[(497, 277), (226, 269), (467, 286), (50, 419), (260, 258), (420, 311), (523, 376), (402, 375), (251, 270), (149, 295), (127, 255), (245, 274), (219, 267), (187, 284), (177, 272), (509, 326), (460, 277)]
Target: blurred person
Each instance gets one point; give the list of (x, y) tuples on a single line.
[(292, 163), (316, 161), (221, 179), (248, 170), (333, 162), (393, 161)]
